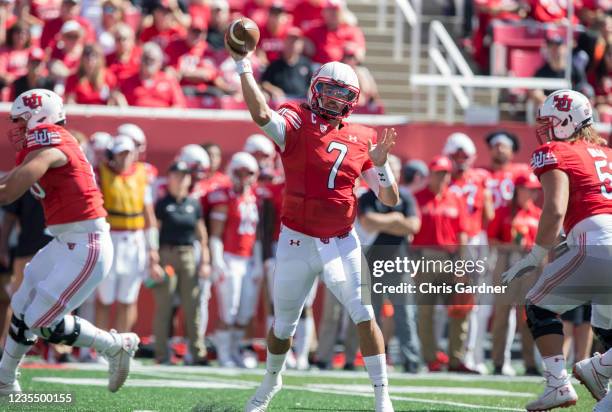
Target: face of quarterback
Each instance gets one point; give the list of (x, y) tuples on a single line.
[(17, 132), (334, 98), (501, 153)]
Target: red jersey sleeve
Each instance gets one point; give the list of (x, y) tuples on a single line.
[(293, 114), (547, 157), (217, 197)]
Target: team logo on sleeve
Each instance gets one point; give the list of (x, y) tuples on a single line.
[(32, 101), (543, 158), (292, 117), (43, 137), (563, 103)]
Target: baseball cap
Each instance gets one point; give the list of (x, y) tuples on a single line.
[(554, 38), (504, 137), (528, 180), (36, 54), (122, 143), (440, 164), (179, 166), (70, 26), (412, 167), (219, 5), (277, 7)]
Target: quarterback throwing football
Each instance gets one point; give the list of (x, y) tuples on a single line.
[(573, 165), (64, 273), (322, 157)]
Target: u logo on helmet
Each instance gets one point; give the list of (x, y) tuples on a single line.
[(32, 101), (563, 103)]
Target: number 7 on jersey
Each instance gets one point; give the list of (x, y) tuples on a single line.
[(331, 180)]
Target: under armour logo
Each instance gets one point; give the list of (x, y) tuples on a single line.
[(32, 101), (563, 103), (71, 246), (352, 138), (382, 177), (563, 391), (294, 242)]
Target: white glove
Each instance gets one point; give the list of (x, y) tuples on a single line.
[(525, 265)]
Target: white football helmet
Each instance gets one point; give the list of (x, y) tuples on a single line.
[(96, 148), (136, 133), (243, 161), (456, 142), (259, 143), (196, 159), (562, 114), (333, 82), (36, 107)]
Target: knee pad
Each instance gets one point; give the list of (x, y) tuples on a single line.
[(20, 332), (283, 330), (604, 336), (543, 321), (66, 332)]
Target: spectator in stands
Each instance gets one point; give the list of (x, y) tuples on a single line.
[(168, 21), (546, 11), (219, 21), (36, 76), (556, 62), (44, 10), (273, 34), (199, 9), (14, 56), (257, 10), (66, 55), (70, 11), (125, 60), (308, 14), (289, 76), (112, 15), (181, 223), (603, 88), (196, 72), (7, 18), (325, 42), (368, 95), (150, 86), (93, 83)]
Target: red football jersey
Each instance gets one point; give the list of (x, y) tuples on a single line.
[(589, 169), (516, 226), (68, 193), (471, 186), (321, 166), (209, 185), (501, 183), (442, 219), (242, 217)]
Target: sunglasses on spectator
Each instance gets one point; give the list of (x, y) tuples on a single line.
[(151, 59)]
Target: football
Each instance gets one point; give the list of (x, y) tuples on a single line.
[(242, 35)]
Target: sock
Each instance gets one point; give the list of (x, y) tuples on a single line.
[(90, 336), (555, 365), (275, 363), (303, 336), (376, 366), (237, 337), (223, 343), (12, 356)]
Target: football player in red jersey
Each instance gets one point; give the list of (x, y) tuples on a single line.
[(469, 183), (64, 273), (322, 156), (574, 167), (233, 230)]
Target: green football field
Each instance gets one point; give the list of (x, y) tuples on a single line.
[(179, 388)]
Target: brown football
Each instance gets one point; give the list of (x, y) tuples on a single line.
[(242, 35)]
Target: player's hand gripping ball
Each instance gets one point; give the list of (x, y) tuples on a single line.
[(242, 36)]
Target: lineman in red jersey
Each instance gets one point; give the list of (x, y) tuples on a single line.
[(470, 184), (322, 157), (65, 272), (233, 230), (574, 169)]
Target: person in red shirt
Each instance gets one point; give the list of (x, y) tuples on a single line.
[(308, 14), (92, 83), (51, 164), (14, 55), (125, 60), (199, 9), (257, 10), (66, 53), (326, 41), (322, 156), (151, 87), (273, 34), (233, 227), (69, 11), (573, 165), (551, 11), (45, 10), (166, 24)]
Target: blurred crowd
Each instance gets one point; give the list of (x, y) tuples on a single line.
[(217, 228), (170, 53)]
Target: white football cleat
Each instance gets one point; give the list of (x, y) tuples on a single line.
[(559, 393), (119, 358), (382, 402), (264, 394), (8, 388), (592, 374), (604, 405)]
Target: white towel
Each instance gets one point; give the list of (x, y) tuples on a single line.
[(333, 270)]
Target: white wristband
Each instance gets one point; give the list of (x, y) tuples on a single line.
[(152, 238), (385, 175), (243, 66)]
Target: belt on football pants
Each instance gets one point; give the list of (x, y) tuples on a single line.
[(342, 236)]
